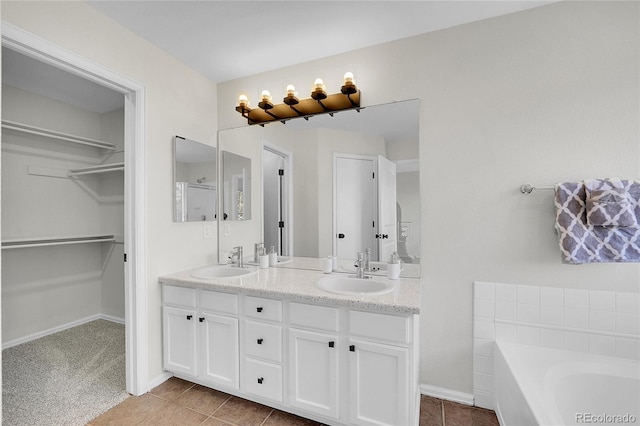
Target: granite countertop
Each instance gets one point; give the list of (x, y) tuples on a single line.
[(298, 285)]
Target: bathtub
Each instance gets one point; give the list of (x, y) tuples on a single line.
[(541, 386)]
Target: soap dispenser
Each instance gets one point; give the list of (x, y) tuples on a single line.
[(393, 267), (273, 256)]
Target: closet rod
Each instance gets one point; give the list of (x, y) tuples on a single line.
[(57, 241), (26, 128)]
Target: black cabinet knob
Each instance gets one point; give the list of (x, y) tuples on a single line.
[(260, 380), (259, 309), (201, 319), (260, 341), (341, 235), (332, 344), (352, 348), (189, 317)]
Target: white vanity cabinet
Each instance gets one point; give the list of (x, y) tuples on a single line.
[(200, 332), (314, 350), (380, 369), (334, 364), (262, 343)]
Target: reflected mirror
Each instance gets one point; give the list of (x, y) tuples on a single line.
[(236, 190), (195, 172), (334, 185)]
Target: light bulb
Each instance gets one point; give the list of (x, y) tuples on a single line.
[(291, 90), (348, 78), (266, 95), (243, 100), (319, 84)]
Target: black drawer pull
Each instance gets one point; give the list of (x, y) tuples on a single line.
[(260, 380), (260, 341), (352, 348), (259, 309), (189, 317), (332, 344)]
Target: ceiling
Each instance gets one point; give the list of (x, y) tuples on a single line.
[(225, 40)]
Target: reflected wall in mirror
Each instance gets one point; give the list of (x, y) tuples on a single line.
[(322, 172), (195, 171), (236, 189)]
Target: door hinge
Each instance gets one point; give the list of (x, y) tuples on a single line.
[(125, 257), (280, 172), (374, 224), (280, 224), (373, 175)]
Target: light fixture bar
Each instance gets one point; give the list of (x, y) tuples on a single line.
[(292, 107)]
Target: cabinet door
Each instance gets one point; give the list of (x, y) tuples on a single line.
[(379, 383), (179, 334), (219, 352), (313, 372)]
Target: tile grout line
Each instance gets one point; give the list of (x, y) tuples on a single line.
[(268, 415)]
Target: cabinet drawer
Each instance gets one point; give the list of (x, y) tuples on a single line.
[(215, 301), (266, 309), (379, 326), (179, 296), (262, 379), (262, 340), (313, 316)]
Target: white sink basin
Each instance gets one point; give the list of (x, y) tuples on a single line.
[(354, 286), (222, 271)]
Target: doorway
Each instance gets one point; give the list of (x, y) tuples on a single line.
[(134, 239)]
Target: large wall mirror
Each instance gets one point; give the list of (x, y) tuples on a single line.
[(195, 171), (334, 185)]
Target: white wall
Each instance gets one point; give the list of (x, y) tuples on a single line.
[(179, 101), (541, 96)]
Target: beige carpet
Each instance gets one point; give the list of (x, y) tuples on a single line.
[(67, 378)]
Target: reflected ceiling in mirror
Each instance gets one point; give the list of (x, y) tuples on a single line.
[(195, 173)]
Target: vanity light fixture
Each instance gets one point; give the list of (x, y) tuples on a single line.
[(292, 107)]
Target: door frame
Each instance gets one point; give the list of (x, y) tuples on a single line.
[(135, 268), (288, 199)]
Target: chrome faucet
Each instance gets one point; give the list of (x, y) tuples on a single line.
[(256, 252), (237, 251), (360, 266)]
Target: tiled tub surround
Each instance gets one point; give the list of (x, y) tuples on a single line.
[(275, 339), (597, 322)]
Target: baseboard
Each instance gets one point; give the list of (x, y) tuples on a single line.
[(158, 380), (40, 334), (447, 394)]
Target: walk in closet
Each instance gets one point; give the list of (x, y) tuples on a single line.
[(62, 200)]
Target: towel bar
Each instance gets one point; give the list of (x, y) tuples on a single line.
[(528, 188)]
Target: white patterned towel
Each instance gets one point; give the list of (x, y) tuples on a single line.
[(584, 242)]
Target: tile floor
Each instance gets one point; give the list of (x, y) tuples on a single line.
[(178, 402)]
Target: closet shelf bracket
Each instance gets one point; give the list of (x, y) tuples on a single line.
[(103, 168)]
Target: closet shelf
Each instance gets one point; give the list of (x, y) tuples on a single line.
[(103, 168), (44, 242), (27, 128)]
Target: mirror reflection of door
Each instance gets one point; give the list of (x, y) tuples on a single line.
[(276, 200), (355, 205), (365, 206)]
